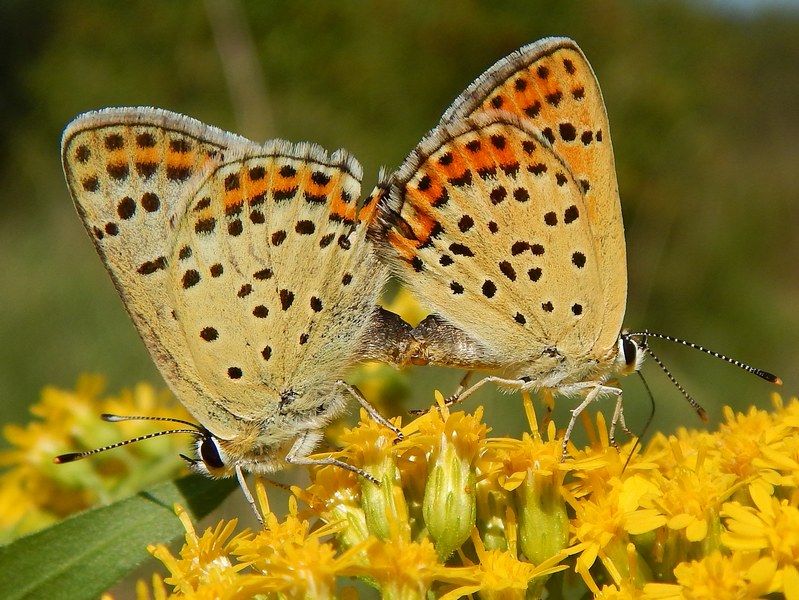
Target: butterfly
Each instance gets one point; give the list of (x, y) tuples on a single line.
[(246, 270), (506, 222)]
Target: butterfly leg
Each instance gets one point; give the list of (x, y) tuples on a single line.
[(298, 455), (248, 495), (371, 410), (595, 390), (618, 419), (454, 398)]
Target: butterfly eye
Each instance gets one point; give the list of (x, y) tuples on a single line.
[(209, 452), (630, 349)]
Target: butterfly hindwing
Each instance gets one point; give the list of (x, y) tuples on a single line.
[(272, 242)]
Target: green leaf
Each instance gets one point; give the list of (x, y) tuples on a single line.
[(85, 555)]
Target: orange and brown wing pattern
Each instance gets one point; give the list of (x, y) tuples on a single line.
[(245, 267), (131, 172), (549, 89), (551, 85), (273, 247)]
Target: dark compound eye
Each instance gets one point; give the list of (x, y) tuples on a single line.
[(209, 453), (630, 351)]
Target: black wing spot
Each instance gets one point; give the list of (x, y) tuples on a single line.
[(205, 225), (568, 132), (91, 184), (232, 182), (209, 334), (571, 214), (507, 270), (466, 223), (126, 208), (305, 227), (151, 266), (235, 228), (460, 249), (190, 279), (278, 237), (521, 195), (519, 248), (498, 194), (286, 299)]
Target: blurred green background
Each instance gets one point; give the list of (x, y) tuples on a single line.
[(704, 112)]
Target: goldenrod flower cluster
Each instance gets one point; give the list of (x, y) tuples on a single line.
[(458, 512), (694, 515)]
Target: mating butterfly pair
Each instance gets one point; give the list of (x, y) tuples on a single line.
[(252, 273)]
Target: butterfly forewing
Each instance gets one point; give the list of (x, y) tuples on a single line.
[(551, 84), (131, 174)]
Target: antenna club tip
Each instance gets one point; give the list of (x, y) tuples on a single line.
[(66, 458), (703, 415), (777, 381)]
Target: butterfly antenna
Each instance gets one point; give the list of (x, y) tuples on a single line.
[(696, 406), (118, 418), (649, 420), (749, 369), (73, 456)]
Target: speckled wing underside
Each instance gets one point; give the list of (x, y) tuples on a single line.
[(506, 219), (244, 267)]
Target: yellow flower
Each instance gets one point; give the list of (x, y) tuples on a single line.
[(457, 512), (449, 506), (531, 473), (204, 562), (714, 577), (501, 575), (399, 567), (691, 497), (770, 530)]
